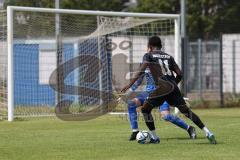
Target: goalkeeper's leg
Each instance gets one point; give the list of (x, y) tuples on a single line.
[(132, 114), (167, 116)]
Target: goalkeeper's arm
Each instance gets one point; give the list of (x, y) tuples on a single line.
[(137, 83)]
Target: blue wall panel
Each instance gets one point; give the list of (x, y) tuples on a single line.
[(27, 90)]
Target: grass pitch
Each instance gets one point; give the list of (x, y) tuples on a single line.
[(105, 138)]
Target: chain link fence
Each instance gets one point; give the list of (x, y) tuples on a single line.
[(213, 71)]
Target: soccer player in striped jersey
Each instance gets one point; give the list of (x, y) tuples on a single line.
[(164, 108), (162, 66)]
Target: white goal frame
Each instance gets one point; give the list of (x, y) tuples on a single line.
[(11, 9)]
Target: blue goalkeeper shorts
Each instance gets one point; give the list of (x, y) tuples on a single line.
[(144, 95)]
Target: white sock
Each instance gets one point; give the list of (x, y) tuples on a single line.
[(207, 132), (188, 127), (134, 130), (153, 134)]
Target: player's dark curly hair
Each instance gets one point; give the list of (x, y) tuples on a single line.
[(155, 41)]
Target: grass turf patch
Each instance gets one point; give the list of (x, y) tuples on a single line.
[(105, 138)]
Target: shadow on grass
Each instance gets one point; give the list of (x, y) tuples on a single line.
[(182, 138), (218, 143), (20, 119), (198, 138)]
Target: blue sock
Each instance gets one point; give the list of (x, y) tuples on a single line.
[(132, 113), (176, 120)]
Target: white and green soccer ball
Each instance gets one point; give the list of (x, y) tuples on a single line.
[(143, 137)]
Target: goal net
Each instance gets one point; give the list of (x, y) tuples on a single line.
[(76, 58), (3, 66)]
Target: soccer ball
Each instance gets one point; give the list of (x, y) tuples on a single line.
[(143, 137)]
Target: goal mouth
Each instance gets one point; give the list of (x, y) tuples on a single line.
[(41, 40)]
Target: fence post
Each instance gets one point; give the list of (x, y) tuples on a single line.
[(234, 66), (221, 72), (199, 67)]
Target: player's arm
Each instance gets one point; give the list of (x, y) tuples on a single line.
[(140, 72), (175, 68), (137, 83)]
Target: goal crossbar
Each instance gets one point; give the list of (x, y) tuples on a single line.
[(91, 12)]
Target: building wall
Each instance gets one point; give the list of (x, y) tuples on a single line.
[(34, 63), (231, 72), (27, 86)]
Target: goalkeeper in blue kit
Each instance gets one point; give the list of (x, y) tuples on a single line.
[(164, 108)]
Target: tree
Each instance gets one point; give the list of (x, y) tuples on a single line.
[(158, 6), (30, 3), (103, 5), (114, 5), (205, 18), (208, 18)]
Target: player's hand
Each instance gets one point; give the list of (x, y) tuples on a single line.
[(125, 88), (139, 109)]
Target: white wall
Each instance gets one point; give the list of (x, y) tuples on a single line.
[(228, 50)]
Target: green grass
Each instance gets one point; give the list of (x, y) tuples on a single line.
[(105, 138)]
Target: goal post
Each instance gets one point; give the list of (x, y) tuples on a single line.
[(113, 37), (10, 85)]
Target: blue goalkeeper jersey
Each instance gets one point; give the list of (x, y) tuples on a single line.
[(150, 84)]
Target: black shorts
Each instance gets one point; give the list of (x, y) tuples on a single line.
[(173, 98)]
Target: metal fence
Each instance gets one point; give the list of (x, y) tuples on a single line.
[(204, 69), (214, 69)]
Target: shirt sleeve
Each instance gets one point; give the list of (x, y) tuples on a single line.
[(147, 58), (175, 68)]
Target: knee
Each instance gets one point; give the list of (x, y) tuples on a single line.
[(163, 114), (146, 110), (133, 102), (185, 110), (171, 118), (167, 117)]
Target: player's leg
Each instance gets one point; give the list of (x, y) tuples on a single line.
[(148, 118), (193, 117), (132, 113), (157, 97), (167, 116), (176, 99)]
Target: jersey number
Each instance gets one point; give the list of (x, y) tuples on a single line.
[(165, 67)]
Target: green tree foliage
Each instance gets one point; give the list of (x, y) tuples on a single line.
[(209, 18), (158, 6), (31, 3), (113, 5), (205, 18), (103, 5)]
